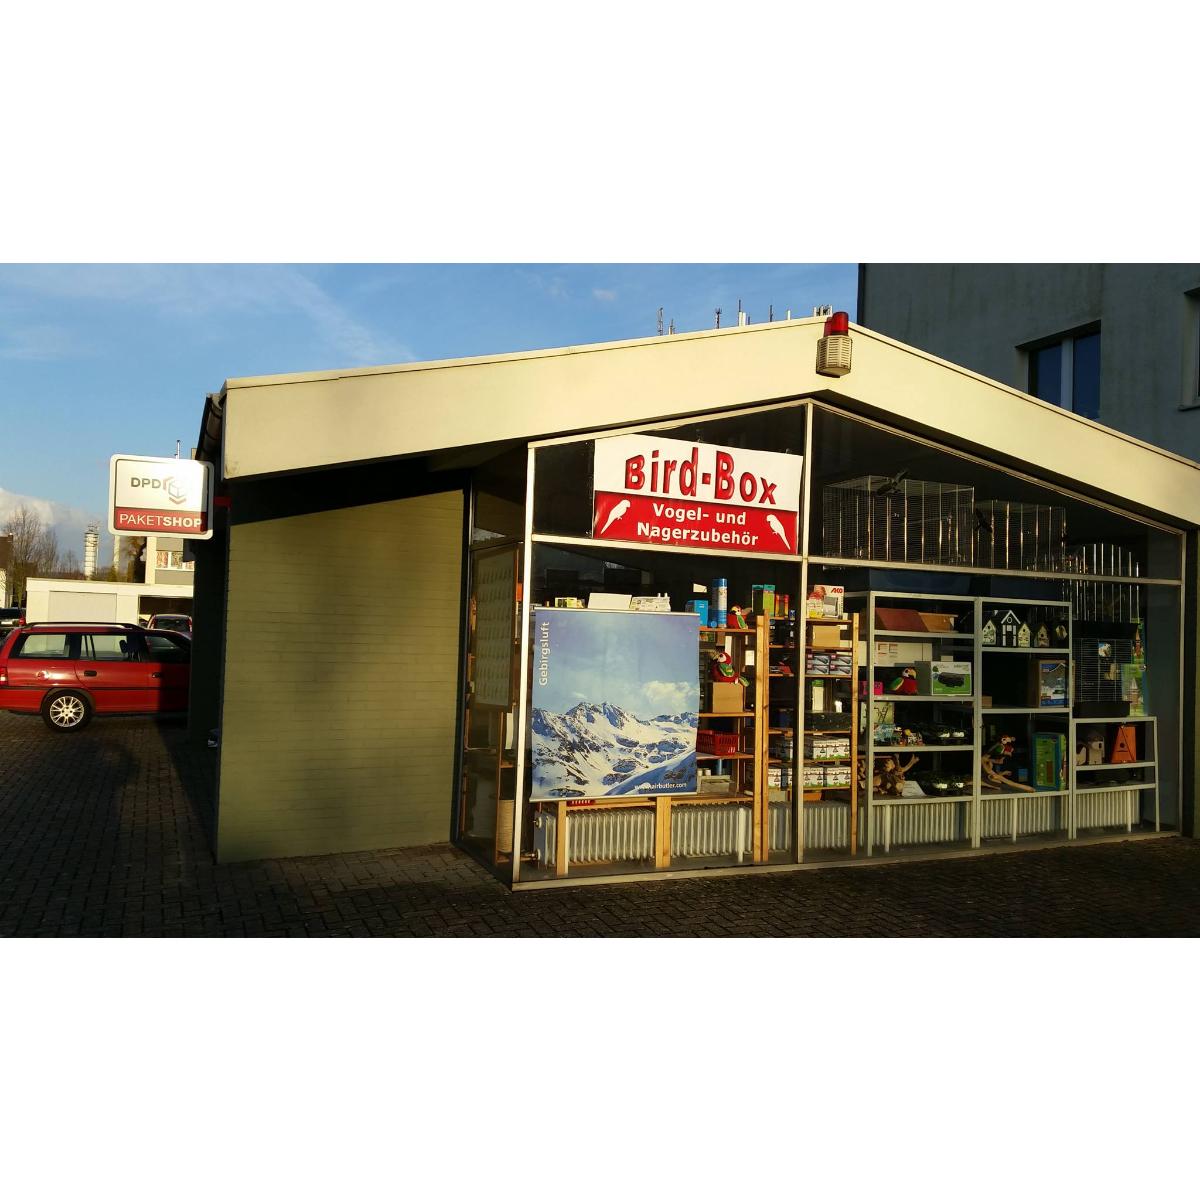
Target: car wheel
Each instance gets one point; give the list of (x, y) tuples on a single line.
[(66, 711)]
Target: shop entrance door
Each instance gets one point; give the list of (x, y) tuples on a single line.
[(488, 781)]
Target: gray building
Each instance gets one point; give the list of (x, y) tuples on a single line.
[(1117, 342)]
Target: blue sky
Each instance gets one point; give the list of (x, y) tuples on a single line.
[(96, 360), (644, 663)]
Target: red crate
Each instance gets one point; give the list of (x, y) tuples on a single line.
[(712, 741)]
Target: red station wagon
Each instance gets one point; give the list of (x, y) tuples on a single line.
[(71, 672)]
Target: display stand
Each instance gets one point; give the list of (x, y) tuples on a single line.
[(838, 697)]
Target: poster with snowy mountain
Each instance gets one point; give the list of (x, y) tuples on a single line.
[(615, 700)]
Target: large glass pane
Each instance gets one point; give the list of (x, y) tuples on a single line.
[(1085, 376)]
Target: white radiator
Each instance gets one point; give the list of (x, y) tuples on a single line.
[(627, 834), (1095, 810), (1035, 814), (827, 825), (918, 824)]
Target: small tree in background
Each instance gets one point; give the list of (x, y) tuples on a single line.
[(34, 548)]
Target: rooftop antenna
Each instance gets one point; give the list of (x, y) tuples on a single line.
[(660, 321), (770, 313), (176, 447), (718, 311), (741, 315), (671, 327)]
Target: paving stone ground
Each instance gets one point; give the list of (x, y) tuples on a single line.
[(103, 833)]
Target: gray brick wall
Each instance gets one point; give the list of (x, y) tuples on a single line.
[(340, 692)]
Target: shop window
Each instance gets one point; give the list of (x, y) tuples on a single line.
[(172, 560), (1066, 372)]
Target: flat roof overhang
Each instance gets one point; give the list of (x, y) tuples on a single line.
[(287, 423)]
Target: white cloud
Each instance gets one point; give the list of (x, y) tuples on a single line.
[(200, 291), (69, 524), (606, 294), (669, 696)]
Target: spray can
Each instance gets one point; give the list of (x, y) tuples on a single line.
[(720, 601)]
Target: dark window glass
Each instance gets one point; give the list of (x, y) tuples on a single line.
[(43, 645), (1085, 380), (1045, 373), (162, 648)]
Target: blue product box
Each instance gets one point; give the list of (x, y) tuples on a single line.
[(700, 607)]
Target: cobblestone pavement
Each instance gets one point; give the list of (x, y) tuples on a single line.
[(102, 834)]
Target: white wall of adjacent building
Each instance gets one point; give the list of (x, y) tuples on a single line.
[(94, 600)]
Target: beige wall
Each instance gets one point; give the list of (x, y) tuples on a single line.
[(341, 669)]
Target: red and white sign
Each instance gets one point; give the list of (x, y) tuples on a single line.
[(159, 495), (675, 493)]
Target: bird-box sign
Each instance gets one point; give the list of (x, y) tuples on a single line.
[(676, 493), (159, 495)]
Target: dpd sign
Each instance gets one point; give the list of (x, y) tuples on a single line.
[(159, 495)]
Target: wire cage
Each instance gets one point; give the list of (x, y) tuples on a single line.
[(1098, 663), (1103, 601), (1010, 536), (892, 519)]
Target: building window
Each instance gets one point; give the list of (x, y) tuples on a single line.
[(172, 560), (1066, 372)]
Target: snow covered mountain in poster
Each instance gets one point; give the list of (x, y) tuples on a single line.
[(615, 703)]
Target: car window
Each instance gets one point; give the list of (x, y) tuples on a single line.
[(109, 647), (163, 648), (43, 645)]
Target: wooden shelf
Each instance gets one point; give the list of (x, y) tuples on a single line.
[(820, 762), (891, 635), (719, 629), (746, 712), (827, 675), (705, 756)]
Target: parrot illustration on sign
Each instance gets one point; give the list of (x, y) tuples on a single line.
[(618, 511), (777, 526)]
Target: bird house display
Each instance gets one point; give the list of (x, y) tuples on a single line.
[(1007, 627), (1041, 639), (1124, 749), (1024, 635), (1092, 749), (989, 633)]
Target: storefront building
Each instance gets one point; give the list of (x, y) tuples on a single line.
[(758, 598)]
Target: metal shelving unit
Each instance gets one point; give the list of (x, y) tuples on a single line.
[(1147, 764)]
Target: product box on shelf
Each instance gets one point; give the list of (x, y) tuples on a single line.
[(763, 599), (1048, 683), (837, 776), (700, 608), (781, 777), (825, 600), (943, 678), (727, 697), (1049, 762), (827, 662), (826, 747), (814, 777), (828, 637), (895, 654)]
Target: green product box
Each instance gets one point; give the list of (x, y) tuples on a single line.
[(943, 678), (1050, 762)]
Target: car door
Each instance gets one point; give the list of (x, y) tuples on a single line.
[(170, 655), (111, 668), (37, 663)]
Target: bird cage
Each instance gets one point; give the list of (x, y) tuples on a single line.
[(1020, 537), (1098, 663), (884, 518), (1103, 600)]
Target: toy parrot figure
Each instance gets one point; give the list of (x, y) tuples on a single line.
[(735, 619), (1003, 748), (905, 684), (722, 670)]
